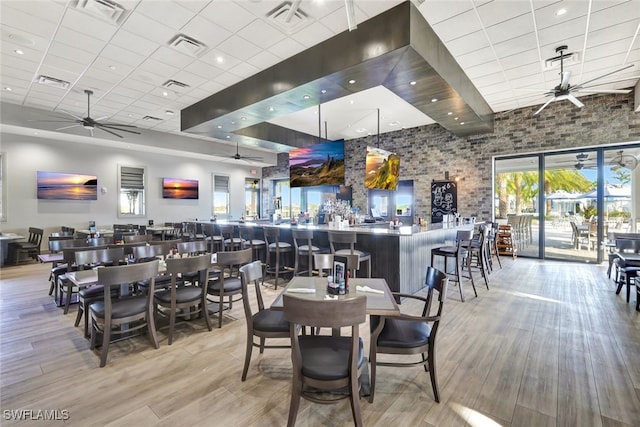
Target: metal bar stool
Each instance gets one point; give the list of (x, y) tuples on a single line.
[(348, 238), (247, 235), (275, 246), (231, 242), (302, 241), (461, 252)]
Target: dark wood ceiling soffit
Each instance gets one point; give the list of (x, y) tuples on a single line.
[(391, 49)]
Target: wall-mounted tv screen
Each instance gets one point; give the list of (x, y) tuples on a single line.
[(66, 186), (382, 169), (173, 188), (321, 164)]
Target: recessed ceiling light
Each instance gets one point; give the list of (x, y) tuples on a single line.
[(243, 118), (306, 97), (394, 124), (351, 81), (271, 109), (219, 126), (233, 123), (361, 130), (8, 89), (165, 93), (19, 52), (461, 123), (228, 136), (35, 133), (434, 99), (449, 113), (455, 118), (323, 91), (412, 83), (169, 113), (112, 67), (352, 102), (220, 59), (561, 12), (130, 115)]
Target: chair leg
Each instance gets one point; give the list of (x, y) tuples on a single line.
[(459, 274), (262, 341), (67, 303), (296, 389), (106, 338), (247, 354), (205, 312), (355, 399), (372, 379), (172, 324), (432, 374), (151, 327)]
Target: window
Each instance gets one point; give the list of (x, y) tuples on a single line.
[(131, 182), (252, 198), (293, 201), (281, 190), (220, 196), (3, 187)]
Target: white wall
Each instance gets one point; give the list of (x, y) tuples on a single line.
[(26, 155)]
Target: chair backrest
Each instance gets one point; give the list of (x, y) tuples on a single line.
[(199, 263), (302, 237), (35, 235), (58, 245), (69, 230), (208, 230), (463, 239), (338, 239), (324, 262), (125, 274), (196, 247), (438, 281), (127, 247), (627, 245), (142, 252), (172, 243), (99, 241), (251, 273), (111, 256), (227, 230), (229, 258), (325, 313), (137, 238), (271, 234), (69, 254)]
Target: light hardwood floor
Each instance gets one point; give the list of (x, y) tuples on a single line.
[(549, 344)]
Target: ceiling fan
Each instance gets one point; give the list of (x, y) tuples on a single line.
[(622, 160), (91, 124), (581, 159), (238, 156), (565, 91)]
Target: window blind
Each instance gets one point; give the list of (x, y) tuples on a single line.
[(131, 178), (221, 184)]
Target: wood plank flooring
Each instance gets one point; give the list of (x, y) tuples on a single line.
[(549, 345)]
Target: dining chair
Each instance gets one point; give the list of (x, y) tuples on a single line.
[(191, 299), (459, 253), (194, 247), (138, 238), (66, 286), (303, 248), (263, 323), (59, 268), (99, 241), (221, 286), (349, 239), (324, 263), (410, 334), (29, 248), (325, 362), (151, 253), (94, 258), (276, 249), (135, 311)]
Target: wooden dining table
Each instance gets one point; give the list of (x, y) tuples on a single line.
[(315, 288)]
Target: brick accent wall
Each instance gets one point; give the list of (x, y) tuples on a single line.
[(428, 151)]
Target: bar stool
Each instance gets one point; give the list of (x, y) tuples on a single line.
[(231, 242), (247, 235), (214, 240), (303, 248), (275, 246), (493, 245), (461, 252), (479, 252), (350, 239)]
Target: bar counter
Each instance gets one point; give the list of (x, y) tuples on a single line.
[(399, 255)]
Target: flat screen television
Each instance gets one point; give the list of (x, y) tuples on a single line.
[(174, 188), (66, 186), (320, 164), (382, 169)]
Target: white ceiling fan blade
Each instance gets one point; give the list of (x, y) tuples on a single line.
[(611, 82), (107, 130), (621, 91), (603, 75), (564, 84), (544, 106), (575, 101), (72, 115), (69, 127), (101, 118)]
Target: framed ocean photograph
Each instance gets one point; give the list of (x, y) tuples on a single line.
[(66, 186), (175, 188)]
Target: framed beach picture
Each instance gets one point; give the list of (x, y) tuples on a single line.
[(175, 188), (66, 186)]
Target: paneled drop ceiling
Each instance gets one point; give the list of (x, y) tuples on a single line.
[(122, 51)]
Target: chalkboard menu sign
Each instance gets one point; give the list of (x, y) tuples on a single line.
[(444, 199)]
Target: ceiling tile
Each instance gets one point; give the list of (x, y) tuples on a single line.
[(611, 34), (497, 11), (103, 74), (261, 34), (513, 61), (458, 26), (25, 65), (193, 80), (172, 57), (147, 28), (47, 10), (87, 24), (476, 57), (264, 60), (158, 68), (441, 10), (239, 48), (515, 45), (124, 56), (244, 70), (195, 5), (313, 34), (511, 29), (468, 43), (546, 12), (58, 73), (286, 48), (27, 22), (14, 38), (566, 30), (227, 79), (63, 64), (89, 44), (134, 43), (228, 15), (169, 13), (220, 60), (205, 31), (202, 69), (71, 53)]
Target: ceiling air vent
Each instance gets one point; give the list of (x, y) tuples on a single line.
[(105, 9), (174, 84), (568, 58), (50, 81), (288, 16), (152, 118), (188, 45)]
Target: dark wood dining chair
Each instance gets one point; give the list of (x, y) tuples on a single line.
[(221, 286), (66, 288), (135, 311), (263, 323), (459, 253), (410, 334), (29, 248), (190, 299), (60, 268), (325, 362)]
